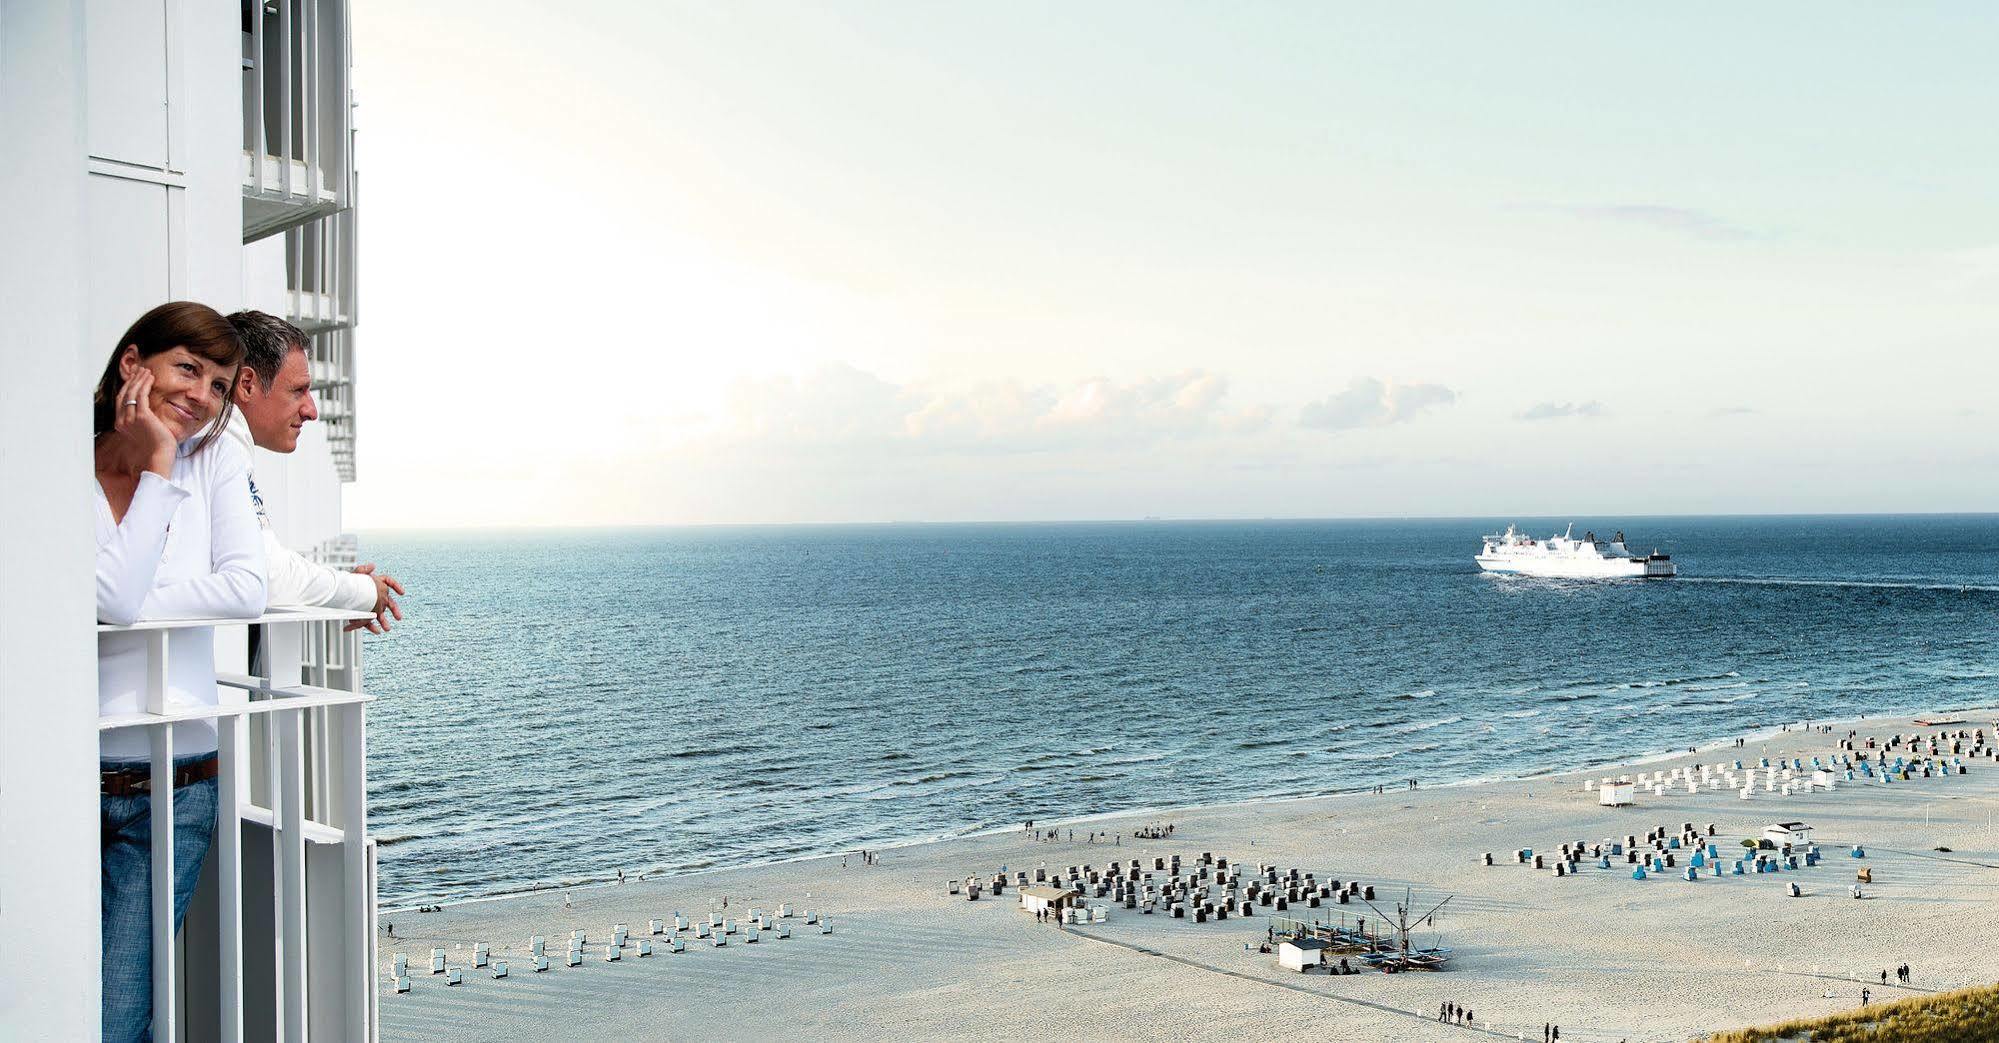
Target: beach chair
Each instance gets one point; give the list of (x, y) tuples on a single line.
[(783, 930), (702, 930), (619, 934), (679, 945), (455, 976), (655, 926), (574, 959), (402, 984), (537, 945), (679, 922), (826, 925), (719, 939), (751, 934), (540, 962), (480, 954), (437, 961), (811, 917), (402, 962), (499, 968), (613, 953), (645, 947)]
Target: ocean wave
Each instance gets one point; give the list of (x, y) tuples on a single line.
[(1520, 715), (1424, 726), (1423, 694)]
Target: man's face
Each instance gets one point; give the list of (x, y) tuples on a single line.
[(277, 413)]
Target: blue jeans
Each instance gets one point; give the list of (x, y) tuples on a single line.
[(128, 895)]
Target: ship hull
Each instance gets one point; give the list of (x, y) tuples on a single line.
[(1579, 568)]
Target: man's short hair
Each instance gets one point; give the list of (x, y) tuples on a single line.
[(266, 341)]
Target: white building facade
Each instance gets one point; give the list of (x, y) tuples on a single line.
[(161, 150)]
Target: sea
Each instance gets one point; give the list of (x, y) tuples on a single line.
[(563, 705)]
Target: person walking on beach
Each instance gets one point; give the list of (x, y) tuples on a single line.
[(1544, 1032), (1865, 996)]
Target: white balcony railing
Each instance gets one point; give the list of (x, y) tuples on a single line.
[(319, 273), (286, 938), (333, 384), (298, 158)]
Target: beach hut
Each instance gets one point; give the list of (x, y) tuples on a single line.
[(1617, 794), (1297, 954), (1038, 898), (1782, 833)]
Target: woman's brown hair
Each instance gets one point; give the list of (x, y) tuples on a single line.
[(177, 324)]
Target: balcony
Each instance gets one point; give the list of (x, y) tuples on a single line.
[(333, 384), (279, 941), (319, 274), (298, 124)]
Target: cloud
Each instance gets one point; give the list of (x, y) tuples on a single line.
[(1368, 402), (1685, 220), (840, 406), (1557, 410), (1722, 411)]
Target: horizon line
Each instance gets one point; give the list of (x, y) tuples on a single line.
[(1142, 520)]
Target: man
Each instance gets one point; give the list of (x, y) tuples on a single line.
[(273, 403)]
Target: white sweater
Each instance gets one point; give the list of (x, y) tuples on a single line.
[(187, 548), (295, 581)]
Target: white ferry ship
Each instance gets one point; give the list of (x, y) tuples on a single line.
[(1566, 557)]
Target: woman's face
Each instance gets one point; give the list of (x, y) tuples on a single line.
[(188, 390)]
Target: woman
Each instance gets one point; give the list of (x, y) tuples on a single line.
[(177, 538)]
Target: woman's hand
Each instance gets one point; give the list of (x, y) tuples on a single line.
[(149, 435)]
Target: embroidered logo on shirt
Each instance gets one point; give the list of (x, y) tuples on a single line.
[(257, 501)]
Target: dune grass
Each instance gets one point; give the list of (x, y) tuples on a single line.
[(1965, 1016)]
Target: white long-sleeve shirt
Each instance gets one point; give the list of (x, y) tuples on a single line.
[(297, 582), (187, 548)]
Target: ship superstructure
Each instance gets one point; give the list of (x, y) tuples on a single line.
[(1566, 557)]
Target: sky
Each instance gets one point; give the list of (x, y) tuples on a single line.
[(689, 263)]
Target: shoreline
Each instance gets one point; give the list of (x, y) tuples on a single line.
[(1603, 953), (1763, 734)]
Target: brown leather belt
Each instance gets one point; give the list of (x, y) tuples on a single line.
[(137, 780)]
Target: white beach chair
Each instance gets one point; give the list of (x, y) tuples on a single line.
[(751, 934), (454, 976), (480, 954), (402, 984), (720, 938), (811, 917), (499, 968), (575, 958), (655, 926), (701, 930), (826, 925), (784, 911), (613, 953), (784, 930), (537, 945), (540, 962), (437, 961), (679, 922), (402, 962), (645, 947), (578, 937)]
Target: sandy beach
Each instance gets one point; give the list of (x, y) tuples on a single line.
[(1603, 956)]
